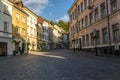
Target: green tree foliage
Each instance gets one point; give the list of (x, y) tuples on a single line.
[(63, 25), (51, 22)]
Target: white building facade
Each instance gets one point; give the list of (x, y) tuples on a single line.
[(5, 28), (31, 30), (57, 37), (45, 35)]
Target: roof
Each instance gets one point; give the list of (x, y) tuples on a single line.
[(40, 20), (30, 11), (15, 1), (72, 5), (18, 4)]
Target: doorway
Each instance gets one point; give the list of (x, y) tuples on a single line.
[(3, 49), (23, 47), (80, 44)]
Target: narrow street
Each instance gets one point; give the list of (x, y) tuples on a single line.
[(59, 65)]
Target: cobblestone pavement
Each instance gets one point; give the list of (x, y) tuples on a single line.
[(59, 65)]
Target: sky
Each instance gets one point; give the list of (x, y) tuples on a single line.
[(50, 9)]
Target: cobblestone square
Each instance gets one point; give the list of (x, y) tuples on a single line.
[(60, 65)]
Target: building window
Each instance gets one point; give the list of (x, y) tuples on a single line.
[(76, 27), (31, 20), (17, 30), (92, 39), (85, 4), (41, 35), (23, 19), (82, 23), (113, 5), (17, 16), (70, 18), (104, 33), (98, 37), (31, 31), (23, 32), (34, 21), (5, 9), (78, 10), (35, 33), (6, 26), (79, 25), (116, 33), (38, 34), (83, 41), (103, 10), (87, 40), (86, 21), (91, 18), (90, 1), (81, 6), (73, 16), (96, 14), (75, 13), (71, 30)]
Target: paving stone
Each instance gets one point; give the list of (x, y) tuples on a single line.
[(59, 65)]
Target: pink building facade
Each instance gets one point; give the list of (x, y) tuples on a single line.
[(95, 23)]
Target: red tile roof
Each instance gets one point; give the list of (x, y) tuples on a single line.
[(40, 20)]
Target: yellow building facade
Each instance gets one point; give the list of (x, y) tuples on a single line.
[(19, 24)]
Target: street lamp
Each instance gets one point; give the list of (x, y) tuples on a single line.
[(95, 39), (95, 36)]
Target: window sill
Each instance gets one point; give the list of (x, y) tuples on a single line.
[(5, 32), (6, 13)]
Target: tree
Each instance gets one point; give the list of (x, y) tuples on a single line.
[(63, 25), (51, 22)]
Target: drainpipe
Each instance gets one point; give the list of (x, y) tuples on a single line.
[(108, 26)]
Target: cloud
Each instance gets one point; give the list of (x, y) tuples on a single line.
[(64, 18), (36, 6)]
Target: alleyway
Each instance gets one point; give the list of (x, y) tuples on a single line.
[(59, 65)]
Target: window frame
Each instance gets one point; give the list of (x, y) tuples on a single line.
[(6, 26)]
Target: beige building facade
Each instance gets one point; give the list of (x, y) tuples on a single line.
[(40, 21), (95, 24), (57, 37)]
